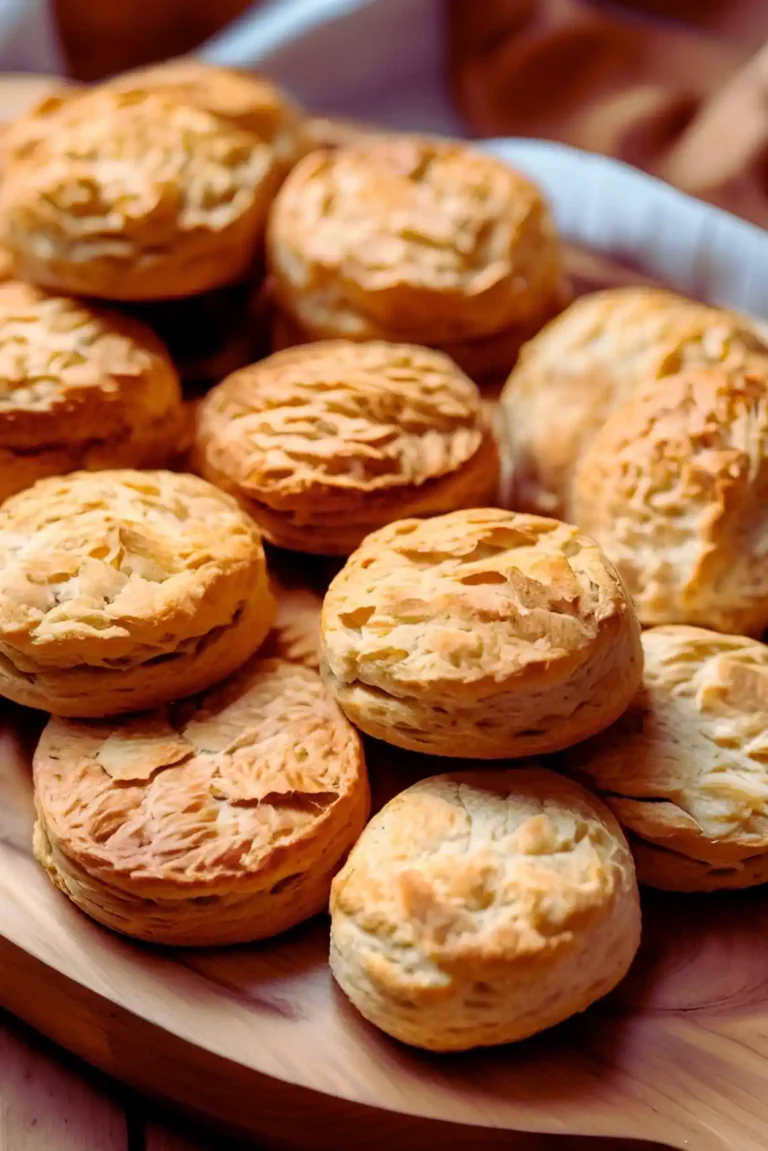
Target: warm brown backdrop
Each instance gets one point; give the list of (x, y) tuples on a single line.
[(678, 87), (100, 37)]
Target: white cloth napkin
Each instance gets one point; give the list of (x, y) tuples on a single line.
[(28, 40)]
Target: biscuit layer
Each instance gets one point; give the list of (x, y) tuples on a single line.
[(323, 444), (219, 820), (482, 907), (684, 769), (480, 633), (120, 590)]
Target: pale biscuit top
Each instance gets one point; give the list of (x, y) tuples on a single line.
[(251, 103), (36, 123), (686, 765), (471, 604), (112, 568), (570, 376), (414, 239), (239, 787), (71, 372), (130, 179), (28, 103), (464, 876), (673, 487), (327, 424), (242, 99)]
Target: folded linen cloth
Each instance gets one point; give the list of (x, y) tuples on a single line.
[(677, 87)]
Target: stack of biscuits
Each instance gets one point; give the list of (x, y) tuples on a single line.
[(543, 614)]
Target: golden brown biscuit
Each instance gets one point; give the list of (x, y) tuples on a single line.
[(244, 100), (482, 907), (673, 488), (484, 361), (419, 241), (218, 821), (136, 196), (481, 633), (669, 871), (121, 590), (28, 104), (6, 264), (589, 359), (323, 444), (241, 99), (80, 388), (685, 769)]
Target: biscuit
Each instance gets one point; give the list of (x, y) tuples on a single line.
[(136, 196), (295, 635), (80, 388), (120, 590), (246, 101), (484, 361), (673, 488), (6, 265), (28, 104), (669, 871), (589, 359), (482, 907), (685, 769), (241, 99), (323, 444), (418, 241), (481, 633), (220, 820)]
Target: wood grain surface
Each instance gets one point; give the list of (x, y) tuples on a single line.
[(49, 1101), (256, 1038)]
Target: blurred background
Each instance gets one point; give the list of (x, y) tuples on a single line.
[(677, 87)]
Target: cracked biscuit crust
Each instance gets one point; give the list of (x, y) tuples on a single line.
[(415, 240), (482, 633), (482, 907), (674, 487), (219, 820), (685, 768), (136, 196), (325, 443), (80, 388), (241, 99), (120, 590), (589, 359)]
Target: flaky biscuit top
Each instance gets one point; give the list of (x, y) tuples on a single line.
[(129, 176), (413, 239), (591, 357), (463, 875), (687, 764), (674, 488), (219, 790), (115, 568), (472, 602), (337, 421), (242, 99), (625, 332), (70, 371)]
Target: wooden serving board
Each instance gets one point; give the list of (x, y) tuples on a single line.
[(259, 1039)]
